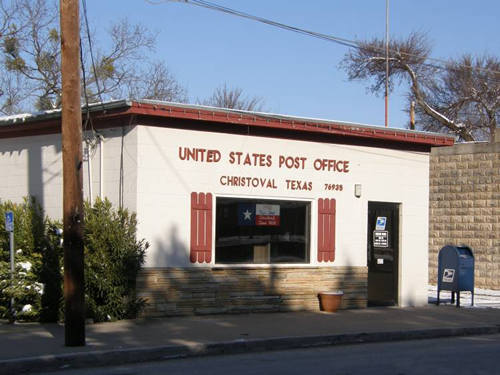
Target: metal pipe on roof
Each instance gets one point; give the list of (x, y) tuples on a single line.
[(101, 165)]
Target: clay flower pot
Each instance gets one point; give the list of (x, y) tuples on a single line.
[(330, 301)]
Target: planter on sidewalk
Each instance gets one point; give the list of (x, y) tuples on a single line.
[(330, 301)]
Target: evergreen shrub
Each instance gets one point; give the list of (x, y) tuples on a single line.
[(34, 280), (113, 257)]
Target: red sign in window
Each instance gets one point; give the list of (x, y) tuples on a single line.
[(267, 220), (267, 215)]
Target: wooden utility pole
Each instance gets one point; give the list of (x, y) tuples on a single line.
[(412, 115), (72, 175), (386, 63)]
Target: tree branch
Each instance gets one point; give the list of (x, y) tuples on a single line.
[(457, 128)]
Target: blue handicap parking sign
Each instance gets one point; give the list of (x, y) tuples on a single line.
[(9, 221)]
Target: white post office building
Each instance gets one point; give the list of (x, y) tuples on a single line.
[(245, 211)]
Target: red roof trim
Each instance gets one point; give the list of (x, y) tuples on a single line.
[(249, 119), (120, 111)]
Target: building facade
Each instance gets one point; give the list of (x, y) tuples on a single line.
[(246, 211)]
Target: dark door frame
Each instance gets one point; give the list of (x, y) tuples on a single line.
[(383, 279)]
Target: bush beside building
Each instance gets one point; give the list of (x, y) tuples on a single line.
[(113, 258)]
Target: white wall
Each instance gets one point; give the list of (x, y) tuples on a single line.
[(114, 141), (33, 166), (165, 183)]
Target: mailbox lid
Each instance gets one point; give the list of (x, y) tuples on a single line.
[(466, 268), (448, 257), (464, 252), (465, 257)]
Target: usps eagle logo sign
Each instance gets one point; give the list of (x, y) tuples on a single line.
[(258, 214), (448, 275)]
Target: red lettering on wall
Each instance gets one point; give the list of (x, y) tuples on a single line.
[(292, 162), (298, 185), (253, 159), (331, 165), (199, 154), (244, 181), (250, 159)]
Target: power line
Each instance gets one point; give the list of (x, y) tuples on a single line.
[(84, 81), (87, 29), (220, 8), (342, 41), (89, 140)]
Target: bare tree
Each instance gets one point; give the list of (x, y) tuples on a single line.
[(7, 12), (30, 67), (233, 98), (156, 83), (461, 98), (31, 57)]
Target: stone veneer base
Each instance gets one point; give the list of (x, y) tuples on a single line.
[(216, 290)]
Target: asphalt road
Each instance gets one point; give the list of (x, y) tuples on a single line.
[(462, 355)]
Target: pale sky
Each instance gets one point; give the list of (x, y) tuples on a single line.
[(295, 74)]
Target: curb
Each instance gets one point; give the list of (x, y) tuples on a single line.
[(160, 353)]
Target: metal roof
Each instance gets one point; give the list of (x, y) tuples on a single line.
[(240, 117)]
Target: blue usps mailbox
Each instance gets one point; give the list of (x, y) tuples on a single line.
[(456, 271)]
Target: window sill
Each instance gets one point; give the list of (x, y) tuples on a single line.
[(264, 266)]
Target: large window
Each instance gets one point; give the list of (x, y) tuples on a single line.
[(262, 231)]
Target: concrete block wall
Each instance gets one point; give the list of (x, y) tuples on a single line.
[(465, 207), (205, 290)]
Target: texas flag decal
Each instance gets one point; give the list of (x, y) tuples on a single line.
[(246, 214)]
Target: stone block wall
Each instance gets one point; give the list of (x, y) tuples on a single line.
[(187, 291), (465, 207)]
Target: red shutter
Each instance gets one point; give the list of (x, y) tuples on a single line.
[(201, 228), (326, 230)]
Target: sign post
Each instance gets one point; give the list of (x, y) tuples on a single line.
[(9, 227)]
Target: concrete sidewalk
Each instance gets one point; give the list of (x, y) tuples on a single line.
[(30, 347)]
